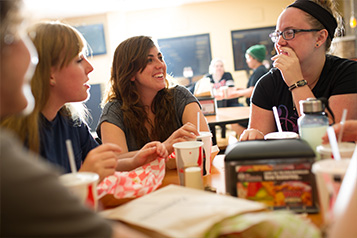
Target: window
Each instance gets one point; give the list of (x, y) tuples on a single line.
[(188, 51), (243, 39)]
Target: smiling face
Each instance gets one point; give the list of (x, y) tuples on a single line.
[(304, 42), (68, 84), (152, 78)]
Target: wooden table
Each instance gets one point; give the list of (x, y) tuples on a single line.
[(216, 180), (224, 116)]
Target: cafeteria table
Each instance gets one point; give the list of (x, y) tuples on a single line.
[(225, 116), (215, 180)]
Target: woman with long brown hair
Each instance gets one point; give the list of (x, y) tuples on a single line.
[(140, 107)]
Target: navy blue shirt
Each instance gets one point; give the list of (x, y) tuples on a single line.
[(53, 136)]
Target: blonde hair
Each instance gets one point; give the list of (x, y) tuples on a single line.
[(57, 44), (211, 67)]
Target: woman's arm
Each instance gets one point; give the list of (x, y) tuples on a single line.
[(190, 115), (261, 122), (150, 152), (113, 134), (338, 103)]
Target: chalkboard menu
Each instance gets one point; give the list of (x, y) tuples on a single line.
[(243, 39), (94, 35), (184, 52)]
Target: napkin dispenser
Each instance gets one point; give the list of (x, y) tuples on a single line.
[(275, 172)]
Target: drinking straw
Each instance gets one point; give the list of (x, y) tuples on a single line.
[(342, 122), (333, 142), (198, 122), (277, 120), (71, 156)]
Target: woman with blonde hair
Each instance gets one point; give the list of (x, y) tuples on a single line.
[(303, 69), (139, 106), (33, 202), (61, 78)]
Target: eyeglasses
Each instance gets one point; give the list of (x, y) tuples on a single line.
[(288, 34)]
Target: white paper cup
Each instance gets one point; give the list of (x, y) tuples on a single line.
[(84, 186), (329, 174), (188, 154), (281, 135), (206, 138), (346, 150)]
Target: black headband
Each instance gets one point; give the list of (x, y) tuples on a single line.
[(320, 13)]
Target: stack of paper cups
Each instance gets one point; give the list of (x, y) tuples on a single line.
[(193, 178)]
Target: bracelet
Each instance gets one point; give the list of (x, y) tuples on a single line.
[(298, 84)]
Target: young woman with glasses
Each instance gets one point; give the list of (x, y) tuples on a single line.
[(303, 69)]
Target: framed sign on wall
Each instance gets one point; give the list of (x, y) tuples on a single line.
[(243, 39), (95, 37), (185, 53)]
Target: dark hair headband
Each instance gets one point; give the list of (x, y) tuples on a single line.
[(320, 13)]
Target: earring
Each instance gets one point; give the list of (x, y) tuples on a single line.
[(317, 44)]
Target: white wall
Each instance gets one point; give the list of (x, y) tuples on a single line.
[(217, 18)]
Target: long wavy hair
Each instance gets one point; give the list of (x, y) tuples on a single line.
[(57, 45), (130, 57)]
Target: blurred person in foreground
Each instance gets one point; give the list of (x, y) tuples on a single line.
[(32, 201), (139, 104), (303, 35), (60, 85)]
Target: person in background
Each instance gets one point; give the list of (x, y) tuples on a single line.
[(254, 57), (61, 78), (32, 201), (219, 78), (139, 106), (349, 132), (303, 35)]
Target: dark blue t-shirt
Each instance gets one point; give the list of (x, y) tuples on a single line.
[(53, 136)]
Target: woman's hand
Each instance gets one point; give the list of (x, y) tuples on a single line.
[(150, 152), (102, 160), (289, 65), (251, 134), (349, 132), (184, 133)]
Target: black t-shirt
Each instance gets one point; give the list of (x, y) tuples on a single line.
[(253, 79), (339, 76)]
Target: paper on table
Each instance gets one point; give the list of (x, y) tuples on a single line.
[(177, 211)]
